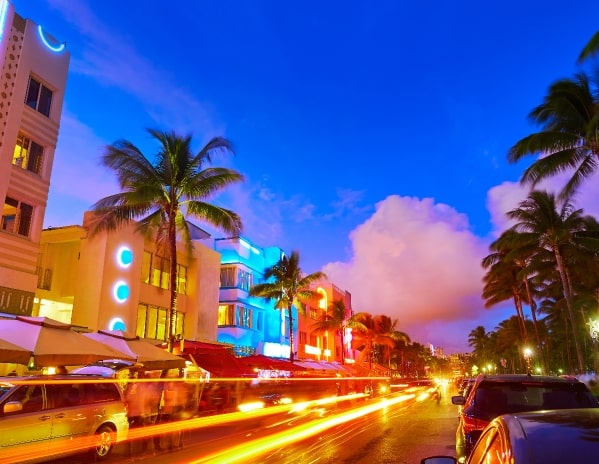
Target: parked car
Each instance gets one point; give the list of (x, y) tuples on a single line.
[(548, 437), (494, 395), (42, 416)]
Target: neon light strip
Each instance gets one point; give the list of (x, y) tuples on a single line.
[(3, 14), (54, 48)]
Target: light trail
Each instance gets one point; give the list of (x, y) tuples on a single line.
[(244, 452)]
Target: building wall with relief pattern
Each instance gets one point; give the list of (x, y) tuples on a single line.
[(25, 51)]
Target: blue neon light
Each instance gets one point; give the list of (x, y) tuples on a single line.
[(124, 257), (121, 291), (117, 324), (3, 14), (55, 48)]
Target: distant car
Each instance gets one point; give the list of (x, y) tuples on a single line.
[(494, 395), (52, 416), (547, 437)]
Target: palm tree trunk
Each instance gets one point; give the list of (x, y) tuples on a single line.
[(342, 346), (172, 315), (290, 314), (520, 313), (533, 312), (569, 305)]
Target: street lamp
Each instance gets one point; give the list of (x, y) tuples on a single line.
[(527, 355), (594, 329)]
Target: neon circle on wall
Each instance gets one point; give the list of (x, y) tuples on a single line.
[(117, 324), (55, 48), (124, 257), (121, 291)]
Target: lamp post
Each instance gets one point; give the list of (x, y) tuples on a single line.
[(594, 329), (527, 355)]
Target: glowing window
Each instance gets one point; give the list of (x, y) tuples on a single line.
[(16, 217), (28, 154)]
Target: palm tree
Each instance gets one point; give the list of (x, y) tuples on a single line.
[(590, 49), (367, 333), (478, 340), (333, 320), (385, 326), (502, 283), (569, 136), (288, 287), (539, 223), (159, 194)]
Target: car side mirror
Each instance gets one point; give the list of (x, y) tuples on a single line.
[(13, 406), (439, 460)]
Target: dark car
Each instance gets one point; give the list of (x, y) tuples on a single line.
[(547, 437), (494, 395)]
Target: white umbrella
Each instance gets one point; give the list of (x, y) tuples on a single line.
[(11, 353), (53, 343), (152, 357)]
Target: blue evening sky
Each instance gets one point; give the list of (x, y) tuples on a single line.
[(373, 135)]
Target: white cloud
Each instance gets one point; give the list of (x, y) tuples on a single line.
[(506, 196), (415, 261)]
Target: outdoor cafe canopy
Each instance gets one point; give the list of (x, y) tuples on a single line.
[(51, 343)]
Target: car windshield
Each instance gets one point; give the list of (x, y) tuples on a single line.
[(495, 398)]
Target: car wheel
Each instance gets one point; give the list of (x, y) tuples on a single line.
[(104, 440), (461, 446)]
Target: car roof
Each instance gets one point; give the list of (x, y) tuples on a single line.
[(567, 435), (49, 378), (526, 378)]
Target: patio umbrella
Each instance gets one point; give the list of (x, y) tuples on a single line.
[(11, 353), (151, 356), (53, 343)]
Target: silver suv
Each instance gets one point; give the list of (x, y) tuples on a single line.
[(42, 416)]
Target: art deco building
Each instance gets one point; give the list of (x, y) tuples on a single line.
[(251, 324), (32, 86), (325, 345), (119, 280)]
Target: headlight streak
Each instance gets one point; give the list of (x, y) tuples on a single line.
[(244, 452)]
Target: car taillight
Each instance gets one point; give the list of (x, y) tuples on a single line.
[(472, 423)]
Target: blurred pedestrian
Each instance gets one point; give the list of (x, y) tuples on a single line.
[(141, 396), (171, 409)]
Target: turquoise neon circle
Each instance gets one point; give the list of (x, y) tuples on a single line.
[(121, 291), (124, 257), (118, 324)]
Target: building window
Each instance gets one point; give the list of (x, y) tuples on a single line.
[(313, 313), (245, 280), (314, 340), (152, 322), (226, 314), (303, 338), (28, 154), (227, 276), (146, 266), (259, 320), (160, 273), (181, 279), (39, 97), (44, 278), (285, 327), (16, 217), (244, 317)]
